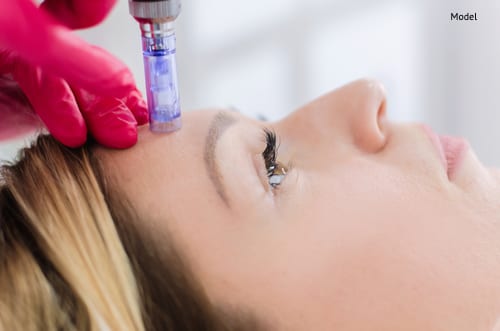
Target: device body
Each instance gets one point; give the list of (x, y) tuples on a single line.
[(156, 21)]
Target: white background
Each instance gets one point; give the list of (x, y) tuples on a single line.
[(271, 58)]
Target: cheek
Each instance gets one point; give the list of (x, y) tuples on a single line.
[(380, 244)]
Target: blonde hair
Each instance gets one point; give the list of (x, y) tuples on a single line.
[(73, 255), (65, 242)]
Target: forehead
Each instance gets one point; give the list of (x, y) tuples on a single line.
[(160, 167)]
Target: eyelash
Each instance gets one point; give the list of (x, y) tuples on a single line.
[(276, 172)]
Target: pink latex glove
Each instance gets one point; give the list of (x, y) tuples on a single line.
[(74, 87)]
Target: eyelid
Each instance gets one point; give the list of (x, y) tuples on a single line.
[(270, 158), (261, 171), (270, 153)]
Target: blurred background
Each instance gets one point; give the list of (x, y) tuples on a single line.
[(271, 58)]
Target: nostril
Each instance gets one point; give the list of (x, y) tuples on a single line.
[(382, 121), (381, 124), (370, 119)]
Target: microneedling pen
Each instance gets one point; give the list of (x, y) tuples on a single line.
[(156, 19)]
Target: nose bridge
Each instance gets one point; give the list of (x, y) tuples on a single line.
[(354, 113)]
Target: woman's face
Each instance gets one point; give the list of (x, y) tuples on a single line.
[(366, 231)]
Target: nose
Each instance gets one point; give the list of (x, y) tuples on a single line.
[(355, 113)]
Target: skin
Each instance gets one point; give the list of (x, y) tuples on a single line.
[(366, 232)]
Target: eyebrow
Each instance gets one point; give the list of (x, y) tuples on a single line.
[(220, 123)]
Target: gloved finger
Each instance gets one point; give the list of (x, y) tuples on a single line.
[(138, 107), (53, 101), (40, 40), (134, 102), (109, 120), (78, 14)]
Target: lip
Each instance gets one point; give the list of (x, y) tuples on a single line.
[(451, 150)]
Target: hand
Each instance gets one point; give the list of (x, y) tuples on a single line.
[(72, 86)]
